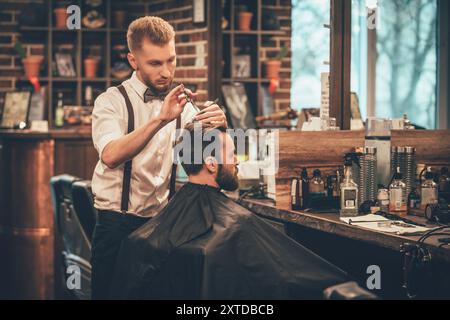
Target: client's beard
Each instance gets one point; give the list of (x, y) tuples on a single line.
[(227, 180)]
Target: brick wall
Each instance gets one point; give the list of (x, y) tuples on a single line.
[(192, 47), (192, 44), (10, 64)]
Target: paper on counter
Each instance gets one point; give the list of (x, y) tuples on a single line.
[(372, 222)]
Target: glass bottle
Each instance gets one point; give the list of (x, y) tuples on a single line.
[(413, 199), (317, 185), (59, 112), (88, 96), (349, 192), (444, 180), (397, 195), (429, 190), (299, 191)]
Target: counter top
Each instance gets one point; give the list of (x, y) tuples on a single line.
[(330, 223), (70, 133)]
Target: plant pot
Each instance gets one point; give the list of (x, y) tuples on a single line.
[(32, 65), (60, 17), (119, 19), (90, 67), (273, 69), (245, 20)]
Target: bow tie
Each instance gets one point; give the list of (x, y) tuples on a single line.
[(150, 95)]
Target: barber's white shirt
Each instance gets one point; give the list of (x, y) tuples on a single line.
[(151, 168)]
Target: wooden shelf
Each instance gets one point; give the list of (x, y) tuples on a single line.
[(27, 29), (246, 80), (256, 32), (80, 39), (251, 42)]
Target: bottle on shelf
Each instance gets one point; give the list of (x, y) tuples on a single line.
[(349, 188), (59, 112), (444, 180), (413, 199), (383, 200), (88, 97), (429, 194), (317, 185), (299, 191), (397, 195)]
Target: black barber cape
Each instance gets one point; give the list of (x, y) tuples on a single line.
[(203, 245)]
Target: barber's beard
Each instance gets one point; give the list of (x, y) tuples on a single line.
[(226, 179), (153, 87)]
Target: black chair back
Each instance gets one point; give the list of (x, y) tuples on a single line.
[(76, 243)]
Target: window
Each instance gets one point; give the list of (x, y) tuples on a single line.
[(310, 51), (404, 64)]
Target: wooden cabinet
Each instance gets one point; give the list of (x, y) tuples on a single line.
[(75, 157), (27, 233)]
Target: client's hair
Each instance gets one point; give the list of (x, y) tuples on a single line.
[(194, 130)]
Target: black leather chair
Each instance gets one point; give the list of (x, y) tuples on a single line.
[(76, 241), (83, 203)]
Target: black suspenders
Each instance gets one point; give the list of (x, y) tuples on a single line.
[(128, 165)]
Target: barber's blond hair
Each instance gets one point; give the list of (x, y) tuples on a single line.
[(156, 30)]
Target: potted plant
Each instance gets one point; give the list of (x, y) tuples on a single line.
[(273, 65), (244, 18), (90, 67), (31, 63), (60, 17)]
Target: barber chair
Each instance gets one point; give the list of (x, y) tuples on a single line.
[(75, 229)]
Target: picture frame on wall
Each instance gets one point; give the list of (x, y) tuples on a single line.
[(64, 63), (241, 66), (15, 110), (199, 12), (238, 106)]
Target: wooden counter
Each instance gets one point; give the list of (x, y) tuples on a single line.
[(330, 223), (27, 235), (354, 249)]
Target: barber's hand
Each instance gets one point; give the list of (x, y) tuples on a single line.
[(174, 103), (212, 114)]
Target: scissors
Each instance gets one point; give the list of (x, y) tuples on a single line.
[(191, 101)]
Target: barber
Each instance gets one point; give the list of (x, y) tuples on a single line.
[(133, 130)]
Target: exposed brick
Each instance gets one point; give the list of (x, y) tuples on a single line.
[(6, 61), (6, 17)]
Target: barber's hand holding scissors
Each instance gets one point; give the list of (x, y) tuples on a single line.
[(212, 114), (175, 102)]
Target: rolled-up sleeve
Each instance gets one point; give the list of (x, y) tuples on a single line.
[(108, 123)]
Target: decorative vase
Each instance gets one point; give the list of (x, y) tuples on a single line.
[(90, 67), (273, 69), (32, 65), (245, 20), (119, 20), (60, 17)]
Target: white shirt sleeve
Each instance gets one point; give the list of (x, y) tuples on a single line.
[(108, 122)]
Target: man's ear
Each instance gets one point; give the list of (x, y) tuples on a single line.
[(132, 60), (211, 164)]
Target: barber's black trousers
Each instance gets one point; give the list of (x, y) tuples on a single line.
[(110, 230)]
